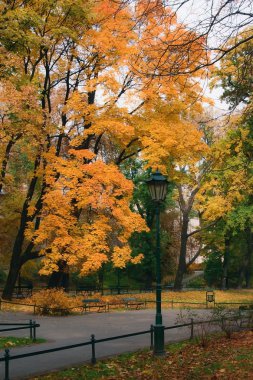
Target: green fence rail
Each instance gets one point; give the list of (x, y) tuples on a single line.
[(7, 357), (32, 325)]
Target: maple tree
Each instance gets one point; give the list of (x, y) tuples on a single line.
[(235, 76), (74, 107), (211, 26)]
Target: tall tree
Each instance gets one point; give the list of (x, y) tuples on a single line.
[(78, 105)]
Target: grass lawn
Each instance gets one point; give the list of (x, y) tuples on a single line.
[(183, 297), (221, 358), (10, 342), (190, 296)]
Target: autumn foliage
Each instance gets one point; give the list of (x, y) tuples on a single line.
[(78, 100), (54, 302)]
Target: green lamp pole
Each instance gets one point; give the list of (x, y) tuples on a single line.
[(158, 185)]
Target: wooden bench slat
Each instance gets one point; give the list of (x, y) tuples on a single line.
[(96, 303)]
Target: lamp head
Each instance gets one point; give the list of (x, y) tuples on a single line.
[(158, 186)]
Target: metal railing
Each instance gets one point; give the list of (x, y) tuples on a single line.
[(120, 303), (7, 357), (32, 325)]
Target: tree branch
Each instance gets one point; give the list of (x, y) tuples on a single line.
[(203, 228)]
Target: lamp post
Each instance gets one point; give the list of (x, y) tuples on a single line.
[(158, 185)]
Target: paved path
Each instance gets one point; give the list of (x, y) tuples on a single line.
[(59, 331), (192, 276)]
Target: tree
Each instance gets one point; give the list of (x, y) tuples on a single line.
[(209, 27), (70, 71), (144, 241), (235, 77), (226, 196), (236, 81)]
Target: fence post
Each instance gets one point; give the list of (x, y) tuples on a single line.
[(31, 329), (151, 337), (93, 354), (7, 359), (34, 331), (172, 304), (192, 326), (34, 309)]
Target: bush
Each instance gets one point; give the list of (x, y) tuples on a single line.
[(197, 283), (230, 321), (200, 331), (54, 302), (213, 269)]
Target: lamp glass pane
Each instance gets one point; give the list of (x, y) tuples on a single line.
[(157, 190), (165, 190), (152, 189), (157, 186)]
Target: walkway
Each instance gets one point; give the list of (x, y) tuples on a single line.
[(59, 331)]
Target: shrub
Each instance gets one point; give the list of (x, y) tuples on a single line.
[(229, 321), (54, 302), (213, 269), (200, 331), (197, 283)]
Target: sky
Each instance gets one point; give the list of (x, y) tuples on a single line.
[(191, 14), (196, 14)]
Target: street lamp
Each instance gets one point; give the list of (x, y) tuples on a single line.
[(158, 185)]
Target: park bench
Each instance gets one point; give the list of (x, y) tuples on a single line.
[(89, 304), (133, 303)]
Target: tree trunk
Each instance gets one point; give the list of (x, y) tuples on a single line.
[(101, 276), (248, 257), (245, 270), (60, 279), (183, 251), (16, 259), (224, 284), (12, 277), (15, 264), (241, 277)]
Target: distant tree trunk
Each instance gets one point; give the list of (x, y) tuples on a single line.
[(101, 273), (181, 269), (224, 284), (241, 276), (245, 270), (248, 256)]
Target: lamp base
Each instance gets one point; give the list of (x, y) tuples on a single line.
[(159, 340)]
